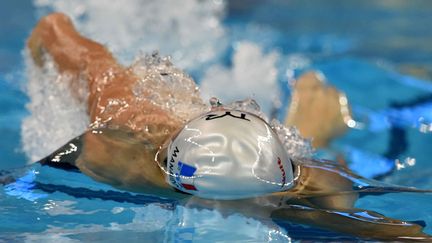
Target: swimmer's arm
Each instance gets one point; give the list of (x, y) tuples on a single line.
[(81, 58), (56, 35), (329, 181), (127, 163), (325, 198), (88, 60), (115, 157), (357, 222)]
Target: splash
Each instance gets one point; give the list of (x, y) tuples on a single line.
[(248, 105), (178, 28), (190, 31), (57, 113), (253, 74), (295, 145), (58, 104), (164, 85)]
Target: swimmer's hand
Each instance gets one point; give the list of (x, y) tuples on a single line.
[(318, 110)]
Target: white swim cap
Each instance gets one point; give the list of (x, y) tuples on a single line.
[(228, 154)]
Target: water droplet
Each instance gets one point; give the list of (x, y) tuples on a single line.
[(214, 102)]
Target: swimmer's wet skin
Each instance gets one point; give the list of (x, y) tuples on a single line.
[(231, 154)]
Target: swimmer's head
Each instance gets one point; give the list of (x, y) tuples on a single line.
[(228, 154)]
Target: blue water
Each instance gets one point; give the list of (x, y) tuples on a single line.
[(378, 53)]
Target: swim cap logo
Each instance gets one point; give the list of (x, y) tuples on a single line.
[(188, 171), (179, 170), (227, 113)]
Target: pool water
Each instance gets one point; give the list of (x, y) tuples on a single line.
[(378, 53)]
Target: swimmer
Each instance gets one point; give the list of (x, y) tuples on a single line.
[(223, 157)]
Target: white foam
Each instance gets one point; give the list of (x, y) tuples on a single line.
[(55, 115), (295, 145), (189, 30), (253, 75), (163, 84)]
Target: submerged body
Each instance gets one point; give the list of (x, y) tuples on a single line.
[(127, 133)]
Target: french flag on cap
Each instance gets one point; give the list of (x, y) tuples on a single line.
[(188, 171)]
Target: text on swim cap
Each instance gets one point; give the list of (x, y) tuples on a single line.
[(171, 168), (183, 170)]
